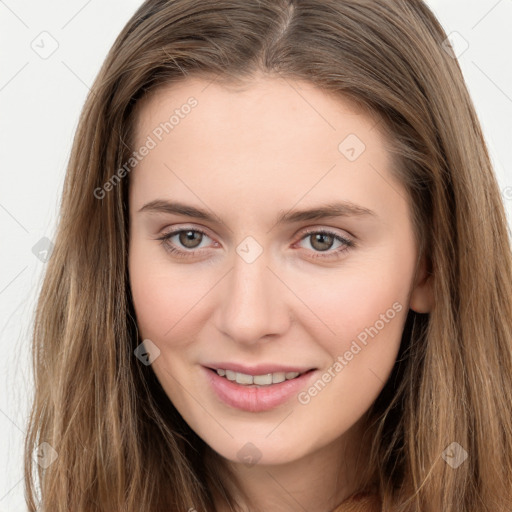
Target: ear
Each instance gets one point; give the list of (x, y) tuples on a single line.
[(422, 294)]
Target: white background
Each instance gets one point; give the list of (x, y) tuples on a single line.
[(40, 101)]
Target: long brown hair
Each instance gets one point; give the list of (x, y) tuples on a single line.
[(121, 445)]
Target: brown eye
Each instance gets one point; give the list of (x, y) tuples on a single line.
[(183, 243), (321, 241), (189, 238)]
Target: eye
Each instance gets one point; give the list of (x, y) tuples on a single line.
[(322, 240), (188, 238)]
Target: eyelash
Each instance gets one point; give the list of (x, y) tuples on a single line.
[(348, 244)]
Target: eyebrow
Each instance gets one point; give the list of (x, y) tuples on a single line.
[(330, 210)]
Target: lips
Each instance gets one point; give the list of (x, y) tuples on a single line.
[(256, 398)]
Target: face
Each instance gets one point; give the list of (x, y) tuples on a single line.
[(244, 282)]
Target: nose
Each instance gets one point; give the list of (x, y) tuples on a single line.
[(253, 303)]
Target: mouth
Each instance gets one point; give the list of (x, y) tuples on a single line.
[(242, 391), (258, 380)]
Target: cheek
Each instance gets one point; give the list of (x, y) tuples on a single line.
[(165, 297), (367, 317), (172, 301), (359, 316), (346, 303)]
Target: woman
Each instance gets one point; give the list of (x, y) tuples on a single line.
[(197, 345)]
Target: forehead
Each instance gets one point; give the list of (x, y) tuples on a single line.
[(273, 138), (260, 100)]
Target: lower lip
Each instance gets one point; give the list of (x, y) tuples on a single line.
[(256, 399)]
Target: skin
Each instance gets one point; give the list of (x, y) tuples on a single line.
[(247, 155)]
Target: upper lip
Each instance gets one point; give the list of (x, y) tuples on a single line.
[(259, 369)]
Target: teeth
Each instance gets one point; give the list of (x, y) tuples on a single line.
[(276, 378), (241, 378), (260, 380)]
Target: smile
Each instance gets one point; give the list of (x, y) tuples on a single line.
[(251, 396), (266, 379)]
